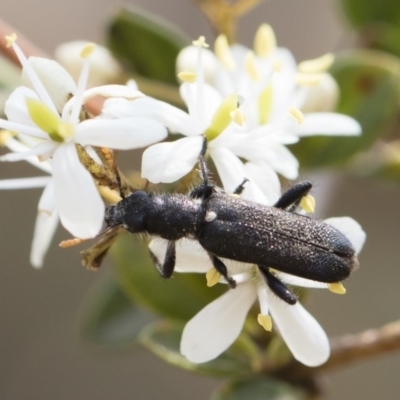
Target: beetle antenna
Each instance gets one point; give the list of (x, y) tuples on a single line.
[(202, 162)]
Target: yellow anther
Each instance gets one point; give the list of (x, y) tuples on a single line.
[(313, 79), (200, 42), (296, 114), (316, 65), (264, 41), (87, 50), (10, 39), (265, 321), (71, 242), (251, 67), (223, 52), (237, 116), (337, 288), (187, 76), (213, 277), (5, 136), (307, 203), (265, 104), (277, 65)]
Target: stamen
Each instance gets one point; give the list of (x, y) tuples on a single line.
[(109, 195), (223, 52), (187, 76), (238, 116), (337, 288), (251, 67), (5, 136), (309, 79), (296, 114), (265, 321), (200, 42), (87, 50), (307, 203), (213, 277), (10, 39), (71, 242), (316, 65), (264, 41)]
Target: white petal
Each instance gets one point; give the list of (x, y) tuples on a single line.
[(168, 162), (45, 227), (230, 169), (175, 119), (302, 282), (265, 178), (78, 201), (55, 78), (210, 332), (302, 333), (25, 183), (325, 123), (121, 134), (43, 149), (351, 229), (15, 108), (190, 256)]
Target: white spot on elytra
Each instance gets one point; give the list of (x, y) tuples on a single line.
[(210, 216)]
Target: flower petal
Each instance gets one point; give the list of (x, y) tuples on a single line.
[(175, 119), (78, 201), (190, 256), (25, 183), (45, 226), (325, 123), (351, 229), (121, 134), (168, 162), (43, 149), (211, 331), (302, 333)]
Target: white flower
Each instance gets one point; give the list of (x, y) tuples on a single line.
[(265, 85), (216, 327), (57, 128)]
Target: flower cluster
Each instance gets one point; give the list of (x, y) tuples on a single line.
[(243, 107)]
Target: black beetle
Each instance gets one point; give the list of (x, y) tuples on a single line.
[(226, 226)]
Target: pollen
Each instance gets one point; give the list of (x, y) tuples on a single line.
[(264, 41), (87, 50), (310, 80), (317, 65), (223, 52), (238, 116), (307, 203), (251, 67), (187, 76), (265, 321), (10, 39), (337, 288), (296, 114), (213, 277), (200, 42)]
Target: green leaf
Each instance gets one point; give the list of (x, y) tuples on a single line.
[(147, 44), (369, 84), (180, 297), (362, 12), (163, 339), (258, 388), (109, 318)]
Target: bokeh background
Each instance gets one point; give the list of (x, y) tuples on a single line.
[(41, 354)]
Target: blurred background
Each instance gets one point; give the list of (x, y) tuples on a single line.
[(41, 354)]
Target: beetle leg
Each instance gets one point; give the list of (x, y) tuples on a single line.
[(221, 268), (168, 266), (292, 197), (277, 287), (240, 188)]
